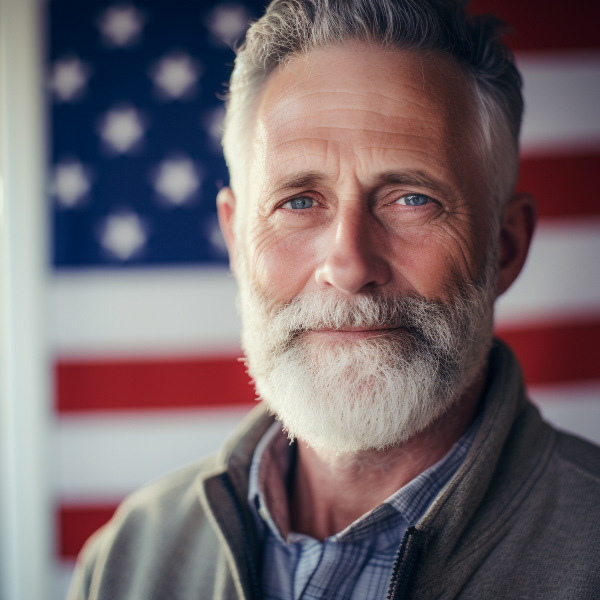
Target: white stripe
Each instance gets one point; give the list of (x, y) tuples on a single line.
[(562, 101), (193, 310), (107, 456), (561, 278), (143, 311)]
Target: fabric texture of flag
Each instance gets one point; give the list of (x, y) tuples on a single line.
[(142, 314)]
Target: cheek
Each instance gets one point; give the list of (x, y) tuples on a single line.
[(431, 261), (423, 262), (281, 264)]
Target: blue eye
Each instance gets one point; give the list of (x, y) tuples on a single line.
[(414, 200), (299, 203)]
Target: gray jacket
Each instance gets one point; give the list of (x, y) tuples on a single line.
[(520, 519)]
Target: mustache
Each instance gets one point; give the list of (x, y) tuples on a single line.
[(323, 310)]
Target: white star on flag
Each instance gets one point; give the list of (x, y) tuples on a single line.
[(121, 26), (69, 78), (175, 76), (227, 23), (176, 180), (123, 235), (70, 183), (121, 129)]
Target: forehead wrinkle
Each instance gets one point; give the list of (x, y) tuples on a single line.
[(366, 123), (324, 130), (401, 157), (290, 146), (310, 79), (281, 101), (290, 174), (371, 114), (428, 144), (271, 123)]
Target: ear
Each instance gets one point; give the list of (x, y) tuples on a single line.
[(226, 213), (516, 231)]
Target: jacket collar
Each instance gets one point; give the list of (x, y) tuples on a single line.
[(509, 452), (511, 445)]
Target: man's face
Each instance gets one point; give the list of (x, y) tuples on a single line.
[(362, 177), (364, 198)]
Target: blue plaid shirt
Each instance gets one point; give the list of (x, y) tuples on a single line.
[(355, 563)]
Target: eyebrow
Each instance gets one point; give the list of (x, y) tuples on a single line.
[(411, 178), (300, 180), (404, 178)]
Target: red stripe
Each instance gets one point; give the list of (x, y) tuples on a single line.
[(76, 523), (564, 186), (547, 24), (548, 354), (163, 383), (560, 353)]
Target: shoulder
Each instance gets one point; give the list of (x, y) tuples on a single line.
[(534, 535), (568, 467), (545, 487), (556, 457), (162, 541), (580, 457), (566, 492), (574, 470), (151, 527), (558, 519), (164, 502)]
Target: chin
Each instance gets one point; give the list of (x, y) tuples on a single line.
[(365, 396)]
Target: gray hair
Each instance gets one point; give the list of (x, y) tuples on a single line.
[(295, 27)]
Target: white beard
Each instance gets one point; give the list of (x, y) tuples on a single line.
[(372, 393)]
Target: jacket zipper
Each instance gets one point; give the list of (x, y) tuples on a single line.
[(402, 581), (248, 555)]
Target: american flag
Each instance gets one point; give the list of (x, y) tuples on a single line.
[(143, 325)]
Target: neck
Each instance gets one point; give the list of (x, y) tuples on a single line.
[(331, 490)]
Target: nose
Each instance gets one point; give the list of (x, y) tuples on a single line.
[(354, 257)]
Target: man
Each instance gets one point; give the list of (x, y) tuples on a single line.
[(371, 223)]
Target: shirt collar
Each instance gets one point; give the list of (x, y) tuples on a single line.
[(268, 498)]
